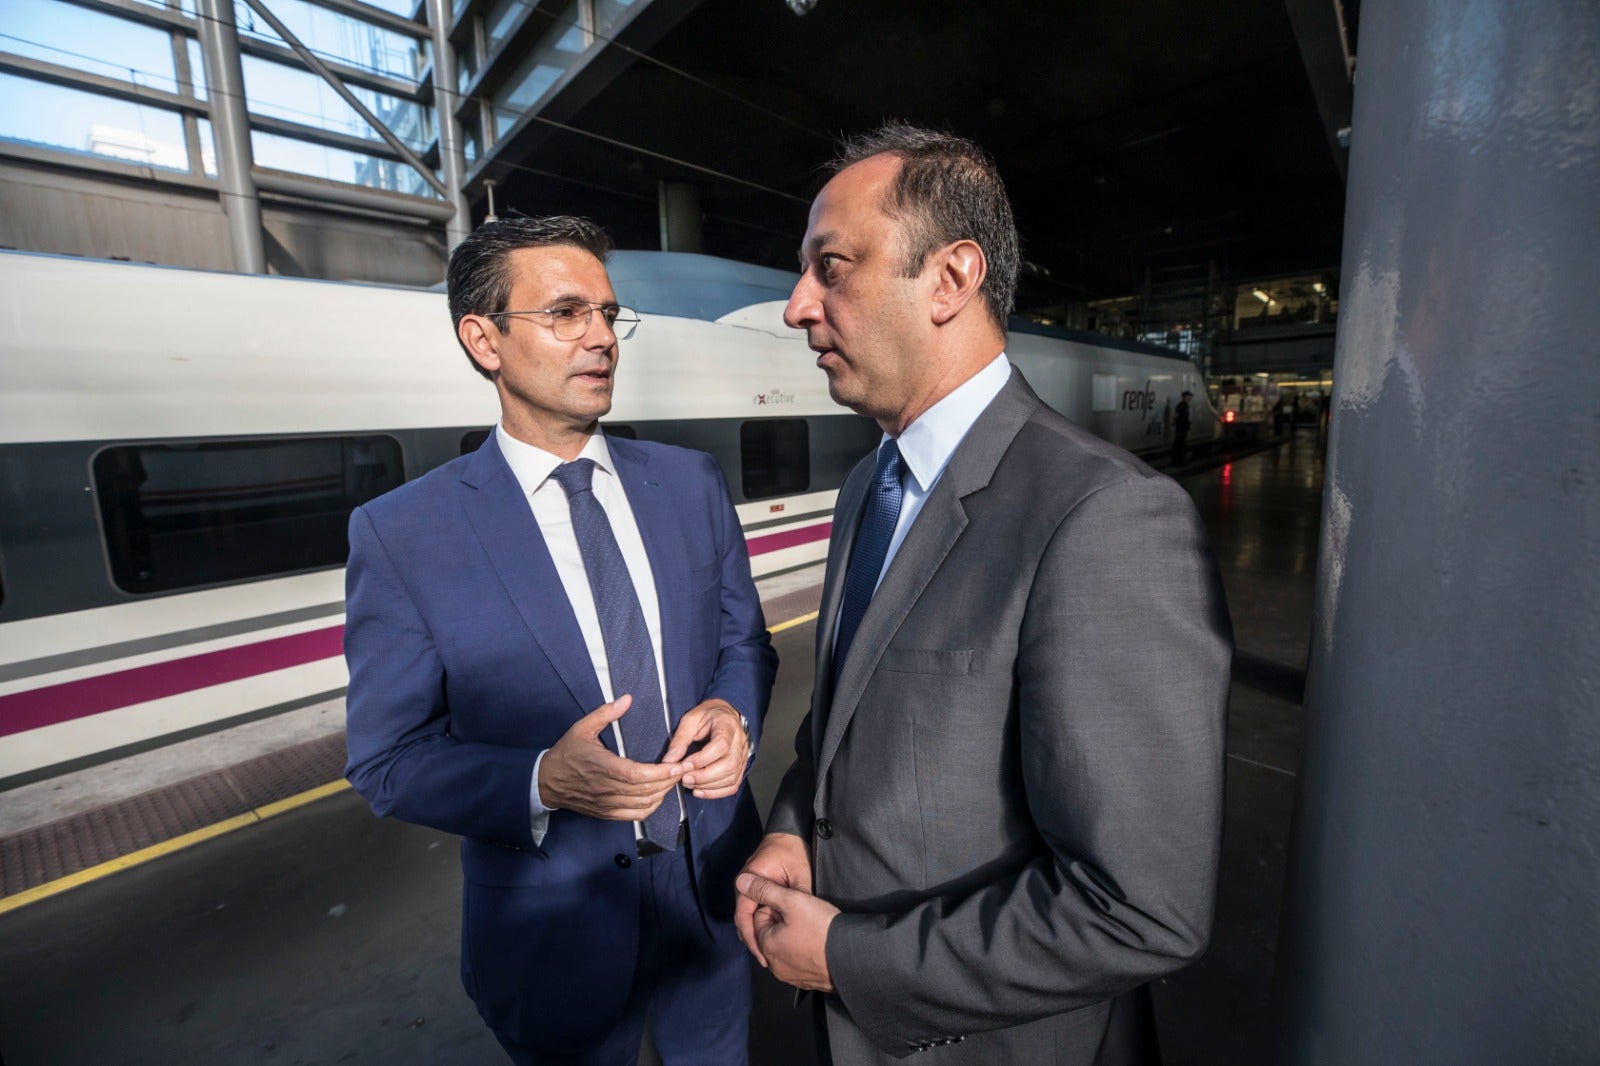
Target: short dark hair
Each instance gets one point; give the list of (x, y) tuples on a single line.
[(948, 189), (479, 279)]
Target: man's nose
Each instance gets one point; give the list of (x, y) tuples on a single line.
[(803, 308), (599, 333)]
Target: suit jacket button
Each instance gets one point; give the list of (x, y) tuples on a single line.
[(622, 860), (824, 828)]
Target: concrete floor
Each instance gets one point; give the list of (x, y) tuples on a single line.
[(327, 936)]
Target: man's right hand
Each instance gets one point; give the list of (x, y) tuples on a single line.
[(781, 858), (581, 775)]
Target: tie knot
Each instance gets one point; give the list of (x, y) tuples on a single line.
[(888, 465), (574, 477)]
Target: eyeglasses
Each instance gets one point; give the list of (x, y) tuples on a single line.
[(570, 321)]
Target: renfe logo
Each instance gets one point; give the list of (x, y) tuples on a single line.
[(776, 396), (1139, 399)]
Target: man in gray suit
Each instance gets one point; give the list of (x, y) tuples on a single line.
[(1003, 819)]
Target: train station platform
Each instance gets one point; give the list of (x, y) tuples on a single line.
[(228, 899)]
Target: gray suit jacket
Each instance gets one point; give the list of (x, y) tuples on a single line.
[(1015, 793)]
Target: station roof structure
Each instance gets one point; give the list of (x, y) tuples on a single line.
[(1136, 140)]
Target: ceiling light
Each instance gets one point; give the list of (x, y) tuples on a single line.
[(1318, 286), (801, 7), (1262, 296)]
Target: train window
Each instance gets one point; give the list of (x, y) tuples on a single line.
[(774, 457), (472, 440), (620, 429), (179, 515)]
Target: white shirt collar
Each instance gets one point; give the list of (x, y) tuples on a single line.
[(533, 466), (928, 443)]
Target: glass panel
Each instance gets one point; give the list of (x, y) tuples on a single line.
[(608, 14), (335, 164), (56, 117), (298, 95), (340, 37), (502, 18), (180, 515), (208, 148), (774, 457), (88, 40), (549, 59), (197, 68)]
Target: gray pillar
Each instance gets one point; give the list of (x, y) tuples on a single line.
[(230, 127), (679, 203), (1443, 903), (444, 112)]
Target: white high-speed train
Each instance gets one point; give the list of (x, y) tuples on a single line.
[(181, 451)]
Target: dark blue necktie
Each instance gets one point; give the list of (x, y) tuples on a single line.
[(872, 544), (630, 656)]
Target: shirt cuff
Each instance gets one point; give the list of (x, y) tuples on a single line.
[(538, 813)]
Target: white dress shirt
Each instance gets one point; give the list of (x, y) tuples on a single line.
[(927, 444), (548, 501)]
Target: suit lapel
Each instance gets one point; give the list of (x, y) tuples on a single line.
[(665, 548), (504, 525), (937, 528)]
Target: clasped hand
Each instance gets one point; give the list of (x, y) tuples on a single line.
[(581, 775), (779, 920)]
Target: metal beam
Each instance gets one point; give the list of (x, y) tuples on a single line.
[(453, 160), (230, 125), (320, 68), (1319, 30), (382, 201), (377, 16), (365, 79), (161, 17), (104, 166), (300, 131), (73, 78)]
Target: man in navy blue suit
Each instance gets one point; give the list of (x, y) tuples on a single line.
[(557, 652)]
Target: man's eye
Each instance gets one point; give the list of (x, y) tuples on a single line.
[(567, 311), (610, 314)]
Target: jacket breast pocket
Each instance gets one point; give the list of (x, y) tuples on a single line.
[(927, 661)]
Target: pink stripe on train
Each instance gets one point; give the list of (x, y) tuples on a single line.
[(39, 707), (36, 708)]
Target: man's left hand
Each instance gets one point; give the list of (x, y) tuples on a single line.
[(791, 928), (716, 770)]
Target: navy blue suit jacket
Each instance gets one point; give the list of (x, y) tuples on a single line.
[(466, 661)]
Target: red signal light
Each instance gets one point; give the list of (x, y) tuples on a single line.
[(1228, 416)]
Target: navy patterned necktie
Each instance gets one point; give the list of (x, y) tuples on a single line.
[(872, 544), (630, 656)]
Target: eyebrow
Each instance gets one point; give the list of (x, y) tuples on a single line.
[(817, 241), (573, 297)]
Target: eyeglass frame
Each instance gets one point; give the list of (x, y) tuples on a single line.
[(632, 321)]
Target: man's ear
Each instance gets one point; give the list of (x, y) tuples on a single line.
[(481, 339), (961, 270)]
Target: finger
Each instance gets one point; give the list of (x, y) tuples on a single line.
[(764, 892), (744, 912), (596, 721), (692, 726), (641, 776), (713, 760)]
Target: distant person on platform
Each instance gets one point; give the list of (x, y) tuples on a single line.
[(1180, 430), (1003, 817), (556, 651)]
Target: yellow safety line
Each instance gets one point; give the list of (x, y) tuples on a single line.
[(259, 814), (167, 847), (791, 623)]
